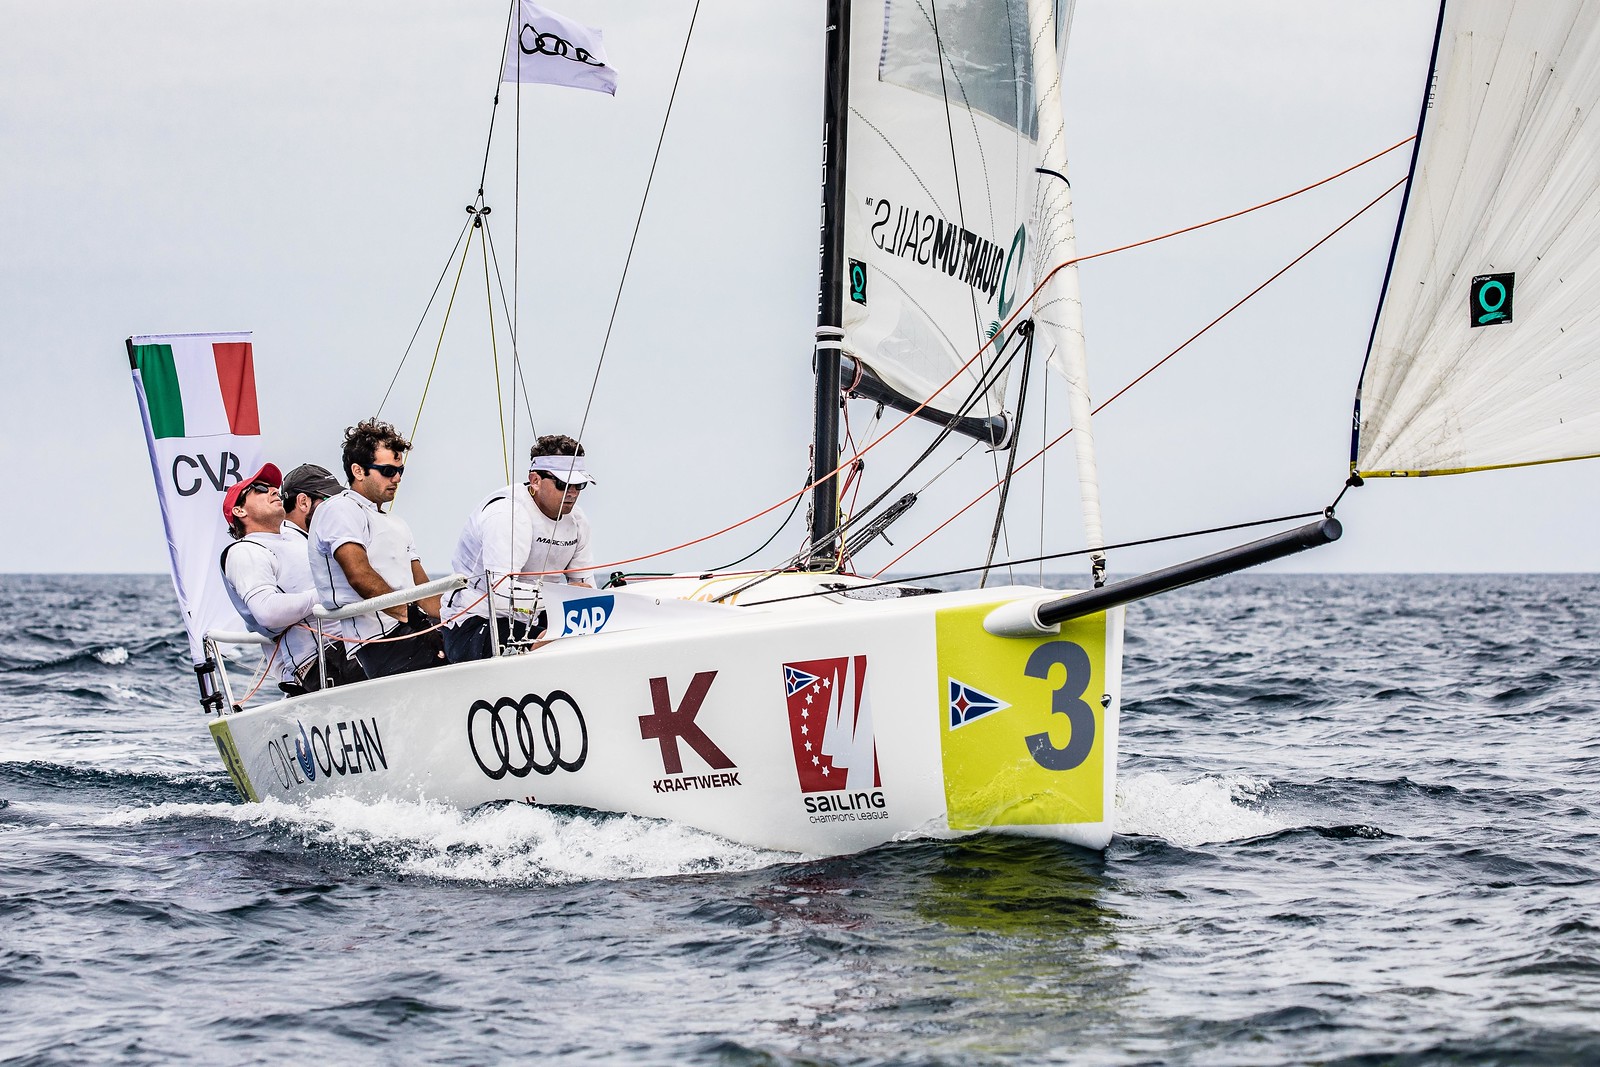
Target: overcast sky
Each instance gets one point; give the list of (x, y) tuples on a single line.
[(300, 170)]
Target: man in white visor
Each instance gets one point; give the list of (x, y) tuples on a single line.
[(535, 530)]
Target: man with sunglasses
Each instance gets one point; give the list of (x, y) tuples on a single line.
[(267, 577), (536, 530), (358, 550)]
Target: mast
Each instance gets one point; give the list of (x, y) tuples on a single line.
[(830, 310)]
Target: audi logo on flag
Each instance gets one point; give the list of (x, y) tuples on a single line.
[(504, 739)]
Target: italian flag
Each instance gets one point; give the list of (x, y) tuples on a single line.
[(197, 397), (198, 385)]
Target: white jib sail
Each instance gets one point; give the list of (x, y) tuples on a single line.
[(1058, 307), (1485, 350), (939, 190)]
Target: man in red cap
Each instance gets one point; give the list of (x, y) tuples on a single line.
[(269, 577)]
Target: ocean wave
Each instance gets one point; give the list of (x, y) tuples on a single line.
[(501, 844)]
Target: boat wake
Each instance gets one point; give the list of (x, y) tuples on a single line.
[(1203, 811), (500, 844)]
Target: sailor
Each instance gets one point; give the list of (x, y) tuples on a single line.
[(267, 577), (303, 489), (358, 550), (535, 529)]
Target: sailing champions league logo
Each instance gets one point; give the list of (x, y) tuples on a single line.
[(1489, 300), (830, 726), (504, 740), (668, 725)]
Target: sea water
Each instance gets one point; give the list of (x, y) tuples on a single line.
[(1357, 823)]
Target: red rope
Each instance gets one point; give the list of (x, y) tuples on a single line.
[(1005, 327), (1154, 367)]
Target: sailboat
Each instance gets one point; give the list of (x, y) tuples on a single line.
[(806, 708)]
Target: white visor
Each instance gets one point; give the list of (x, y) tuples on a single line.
[(569, 469)]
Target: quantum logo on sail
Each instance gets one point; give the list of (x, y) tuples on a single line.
[(1489, 299), (933, 242), (830, 725)]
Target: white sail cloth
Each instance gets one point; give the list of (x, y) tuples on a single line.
[(1058, 306), (1506, 182), (940, 185)]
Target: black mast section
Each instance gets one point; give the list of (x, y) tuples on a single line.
[(830, 294)]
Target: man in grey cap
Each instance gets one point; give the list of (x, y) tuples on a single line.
[(303, 489)]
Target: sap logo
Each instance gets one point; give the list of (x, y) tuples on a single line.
[(587, 616), (186, 473)]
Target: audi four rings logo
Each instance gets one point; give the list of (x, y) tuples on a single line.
[(504, 742), (551, 44)]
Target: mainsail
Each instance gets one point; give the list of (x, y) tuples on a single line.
[(939, 192), (1483, 354)]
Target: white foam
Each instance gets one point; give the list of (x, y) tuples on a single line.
[(113, 656), (1195, 812), (514, 844)]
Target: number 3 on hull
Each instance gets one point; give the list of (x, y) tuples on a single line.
[(1029, 737)]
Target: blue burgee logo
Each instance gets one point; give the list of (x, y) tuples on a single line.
[(589, 615), (795, 680), (968, 704)]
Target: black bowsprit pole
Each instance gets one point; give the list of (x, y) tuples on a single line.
[(1021, 619)]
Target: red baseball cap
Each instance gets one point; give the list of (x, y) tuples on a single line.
[(268, 473)]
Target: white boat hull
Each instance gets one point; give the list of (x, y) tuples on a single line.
[(918, 723)]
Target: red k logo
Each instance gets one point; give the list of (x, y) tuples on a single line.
[(668, 727)]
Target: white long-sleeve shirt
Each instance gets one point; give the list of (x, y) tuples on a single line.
[(508, 534), (270, 585)]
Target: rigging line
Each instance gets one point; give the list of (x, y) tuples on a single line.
[(907, 417), (1233, 215), (1011, 463), (516, 223), (942, 471), (1157, 365), (515, 313), (488, 142), (432, 366), (932, 15), (1041, 559), (516, 359), (494, 356), (424, 316), (632, 241), (1044, 468), (998, 367), (862, 515), (787, 519)]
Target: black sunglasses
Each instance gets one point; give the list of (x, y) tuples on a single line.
[(256, 487), (388, 470), (561, 485)]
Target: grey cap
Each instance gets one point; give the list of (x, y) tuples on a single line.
[(312, 479)]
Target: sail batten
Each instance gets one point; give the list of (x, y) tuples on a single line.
[(1486, 352)]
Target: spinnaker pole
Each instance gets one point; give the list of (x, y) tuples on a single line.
[(830, 295)]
